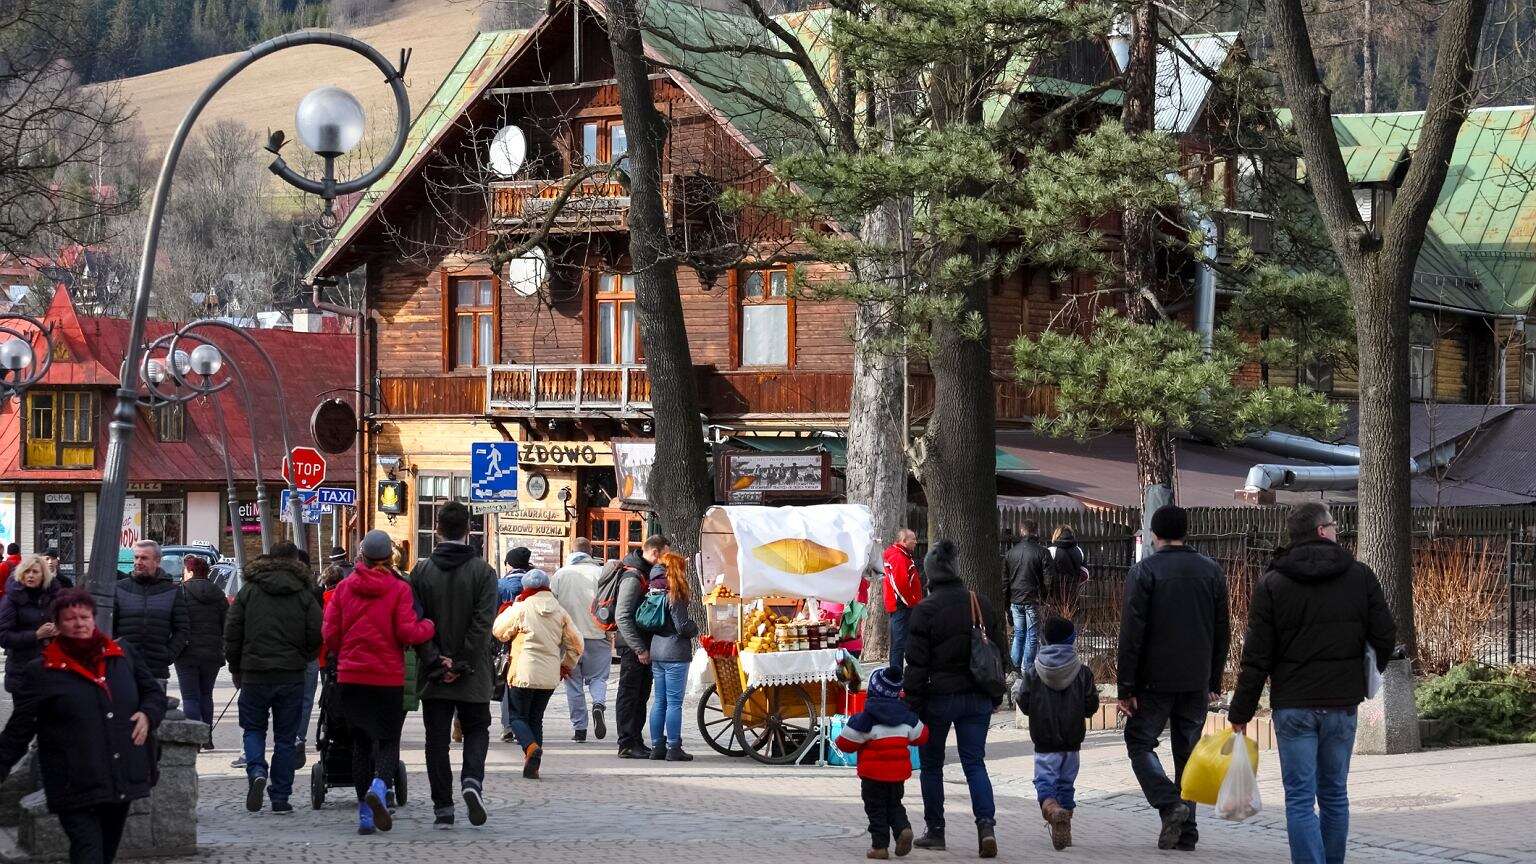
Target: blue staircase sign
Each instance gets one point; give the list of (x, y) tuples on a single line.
[(493, 471)]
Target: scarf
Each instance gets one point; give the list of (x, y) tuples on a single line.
[(84, 657), (529, 592)]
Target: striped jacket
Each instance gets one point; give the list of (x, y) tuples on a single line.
[(881, 734)]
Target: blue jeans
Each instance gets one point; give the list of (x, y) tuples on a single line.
[(311, 681), (1056, 777), (899, 638), (282, 702), (1315, 746), (669, 678), (1026, 641), (970, 714), (196, 681)]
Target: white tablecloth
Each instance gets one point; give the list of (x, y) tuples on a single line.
[(790, 667)]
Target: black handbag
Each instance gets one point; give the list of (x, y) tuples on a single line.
[(986, 658)]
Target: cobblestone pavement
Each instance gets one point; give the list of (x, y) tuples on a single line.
[(1472, 805)]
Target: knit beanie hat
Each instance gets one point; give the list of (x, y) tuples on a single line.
[(376, 546), (1057, 631), (884, 684), (518, 557), (1170, 523), (535, 579)]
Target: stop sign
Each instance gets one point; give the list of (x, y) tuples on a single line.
[(304, 467)]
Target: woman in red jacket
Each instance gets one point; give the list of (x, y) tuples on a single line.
[(369, 623)]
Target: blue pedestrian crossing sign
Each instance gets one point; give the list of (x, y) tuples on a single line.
[(493, 471)]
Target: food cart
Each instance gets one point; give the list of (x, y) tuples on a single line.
[(776, 665)]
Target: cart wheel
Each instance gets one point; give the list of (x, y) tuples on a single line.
[(400, 783), (781, 730), (317, 785), (717, 727)]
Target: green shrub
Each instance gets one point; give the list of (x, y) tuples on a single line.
[(1481, 704)]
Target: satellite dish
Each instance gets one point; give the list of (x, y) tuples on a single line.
[(509, 149), (526, 273)]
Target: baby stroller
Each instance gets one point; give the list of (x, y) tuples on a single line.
[(333, 741)]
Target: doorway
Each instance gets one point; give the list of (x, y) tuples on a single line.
[(59, 515), (615, 533)]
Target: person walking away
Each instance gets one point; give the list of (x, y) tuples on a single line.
[(92, 705), (671, 653), (1313, 613), (150, 613), (272, 634), (369, 623), (939, 687), (634, 646), (456, 588), (1174, 635), (1026, 565), (518, 560), (545, 648), (903, 590), (881, 734), (575, 586), (1058, 696), (1068, 569), (198, 667), (24, 620)]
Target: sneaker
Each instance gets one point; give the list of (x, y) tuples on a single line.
[(237, 762), (531, 759), (255, 788), (475, 806), (677, 754), (580, 736), (1173, 826), (508, 736), (375, 802), (877, 854), (443, 823), (302, 755), (364, 818), (282, 808), (986, 842), (658, 753), (903, 842), (599, 725), (933, 840)]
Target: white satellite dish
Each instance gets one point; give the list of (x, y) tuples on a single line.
[(509, 150), (526, 273)]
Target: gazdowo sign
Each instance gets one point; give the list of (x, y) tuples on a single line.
[(579, 454)]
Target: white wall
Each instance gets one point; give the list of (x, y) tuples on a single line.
[(203, 517), (26, 524), (89, 526)]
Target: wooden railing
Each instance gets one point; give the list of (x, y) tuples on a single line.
[(1012, 402), (595, 204), (567, 387)]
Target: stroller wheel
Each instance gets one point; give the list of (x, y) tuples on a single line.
[(400, 783), (317, 784)]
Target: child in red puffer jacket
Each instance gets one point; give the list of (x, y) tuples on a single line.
[(881, 734)]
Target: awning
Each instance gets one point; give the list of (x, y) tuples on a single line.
[(838, 447)]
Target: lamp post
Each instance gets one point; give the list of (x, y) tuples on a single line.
[(18, 332), (328, 124)]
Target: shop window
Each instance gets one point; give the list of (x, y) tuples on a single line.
[(616, 328), (163, 520), (767, 318), (432, 492), (473, 319), (61, 429), (171, 422)]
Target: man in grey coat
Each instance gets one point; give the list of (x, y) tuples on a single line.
[(575, 586), (455, 587), (635, 647)]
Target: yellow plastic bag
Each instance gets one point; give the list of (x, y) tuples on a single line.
[(1207, 766)]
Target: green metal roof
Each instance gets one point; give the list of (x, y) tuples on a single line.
[(838, 447), (1372, 164)]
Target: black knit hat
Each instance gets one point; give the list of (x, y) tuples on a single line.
[(518, 557), (1056, 631), (1170, 522)]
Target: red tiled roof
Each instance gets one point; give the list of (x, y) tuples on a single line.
[(308, 364)]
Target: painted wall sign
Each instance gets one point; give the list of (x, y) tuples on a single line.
[(511, 510), (632, 462), (581, 454), (544, 554), (749, 477), (533, 529)]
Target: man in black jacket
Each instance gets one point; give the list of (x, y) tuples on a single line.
[(634, 647), (939, 687), (1174, 635), (150, 613), (1026, 565), (1312, 616), (272, 634), (456, 588)]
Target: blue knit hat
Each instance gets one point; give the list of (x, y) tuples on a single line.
[(883, 684), (535, 579)]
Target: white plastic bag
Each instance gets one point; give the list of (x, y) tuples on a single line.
[(1239, 796), (701, 674), (1372, 674)]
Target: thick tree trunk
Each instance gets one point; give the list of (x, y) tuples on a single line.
[(679, 491)]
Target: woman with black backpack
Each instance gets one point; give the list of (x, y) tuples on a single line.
[(1067, 571)]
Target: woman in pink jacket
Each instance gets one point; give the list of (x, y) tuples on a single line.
[(369, 623)]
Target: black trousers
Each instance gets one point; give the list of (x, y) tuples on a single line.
[(94, 832), (475, 719), (882, 804), (1183, 714), (634, 692), (375, 715), (528, 706)]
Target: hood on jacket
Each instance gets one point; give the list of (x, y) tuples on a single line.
[(451, 555), (1314, 561), (885, 711), (277, 575), (939, 565), (636, 560), (1057, 665), (204, 590), (373, 581), (578, 558), (542, 602)]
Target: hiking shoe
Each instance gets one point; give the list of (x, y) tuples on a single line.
[(930, 840), (1061, 827), (531, 759), (364, 818), (677, 754), (986, 842), (634, 753), (475, 806), (255, 788), (877, 854), (282, 808), (903, 842), (580, 736), (599, 726), (658, 753), (1173, 826), (443, 823), (375, 800), (507, 736)]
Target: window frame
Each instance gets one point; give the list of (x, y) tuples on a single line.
[(168, 430), (65, 404), (452, 311), (425, 531), (1317, 375), (1528, 364), (739, 303), (602, 130), (1421, 388), (618, 299), (179, 505)]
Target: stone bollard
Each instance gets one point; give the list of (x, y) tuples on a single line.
[(1389, 724)]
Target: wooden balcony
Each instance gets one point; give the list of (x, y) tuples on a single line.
[(621, 391), (595, 205), (431, 395)]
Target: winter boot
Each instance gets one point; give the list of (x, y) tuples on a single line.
[(531, 759), (1174, 818), (903, 842), (675, 753), (658, 753), (986, 842), (931, 839), (364, 818), (375, 800), (1060, 821)]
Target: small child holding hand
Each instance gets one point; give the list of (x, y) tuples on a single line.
[(881, 734)]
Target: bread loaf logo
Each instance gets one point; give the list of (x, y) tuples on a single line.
[(801, 557), (743, 482)]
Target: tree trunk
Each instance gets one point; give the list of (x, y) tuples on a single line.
[(1368, 58), (681, 492)]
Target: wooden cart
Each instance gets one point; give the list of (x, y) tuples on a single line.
[(777, 724)]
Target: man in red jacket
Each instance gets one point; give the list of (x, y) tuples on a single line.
[(903, 590)]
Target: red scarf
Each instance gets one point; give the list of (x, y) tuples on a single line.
[(529, 592), (84, 657)]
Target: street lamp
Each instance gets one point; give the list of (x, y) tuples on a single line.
[(327, 122), (17, 356)]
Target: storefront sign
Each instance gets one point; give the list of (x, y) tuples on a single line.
[(580, 454), (133, 522), (58, 498), (632, 461), (143, 487), (8, 518), (749, 477), (543, 554), (533, 529), (392, 497), (510, 510), (250, 518)]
